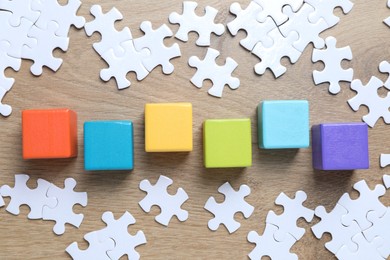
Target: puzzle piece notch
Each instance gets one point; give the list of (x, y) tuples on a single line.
[(63, 212), (367, 95), (19, 9), (219, 75), (104, 24), (331, 223), (97, 249), (293, 210), (247, 20), (190, 22), (157, 195), (271, 56), (332, 58), (274, 9), (266, 245), (21, 194), (366, 250), (64, 15), (324, 9), (153, 40), (224, 212), (384, 67), (380, 228), (120, 66), (46, 41), (308, 32), (367, 201)]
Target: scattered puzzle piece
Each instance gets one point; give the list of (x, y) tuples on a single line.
[(219, 75), (63, 212), (170, 205), (224, 212), (333, 72), (384, 67), (380, 228), (366, 250), (19, 9), (324, 9), (387, 20), (190, 22), (385, 160), (153, 40), (274, 9), (386, 181)]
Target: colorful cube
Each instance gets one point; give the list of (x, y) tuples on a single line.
[(168, 127), (49, 133), (283, 124), (227, 143), (108, 145), (340, 146)]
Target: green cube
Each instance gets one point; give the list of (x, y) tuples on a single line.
[(227, 143)]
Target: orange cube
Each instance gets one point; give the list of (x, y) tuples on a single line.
[(49, 134)]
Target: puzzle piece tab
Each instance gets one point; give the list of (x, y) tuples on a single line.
[(324, 9), (274, 9), (97, 250)]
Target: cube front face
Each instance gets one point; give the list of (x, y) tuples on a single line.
[(283, 124), (49, 134), (227, 143), (168, 127), (108, 145), (340, 146)]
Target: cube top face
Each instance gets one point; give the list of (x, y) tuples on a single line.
[(49, 133), (108, 145), (168, 127), (284, 124), (340, 146), (227, 143)]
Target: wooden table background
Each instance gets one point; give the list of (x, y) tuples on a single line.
[(77, 86)]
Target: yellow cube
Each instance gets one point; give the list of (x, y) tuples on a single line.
[(168, 127)]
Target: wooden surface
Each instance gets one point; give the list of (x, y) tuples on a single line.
[(77, 86)]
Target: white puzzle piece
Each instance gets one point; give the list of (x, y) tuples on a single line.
[(380, 228), (116, 230), (190, 22), (266, 245), (219, 75), (170, 205), (333, 72), (368, 96), (21, 194), (153, 40), (63, 15), (271, 56), (19, 9), (104, 24), (120, 66), (386, 181), (387, 20), (324, 9), (331, 223), (97, 249), (359, 208), (384, 67), (63, 212), (307, 32), (385, 160), (42, 51), (224, 212), (293, 211), (7, 61), (247, 20), (274, 9), (365, 249)]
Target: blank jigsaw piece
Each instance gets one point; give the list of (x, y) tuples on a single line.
[(266, 245), (170, 205), (219, 75), (274, 9), (384, 67), (190, 22), (385, 160), (387, 20), (380, 228), (224, 212), (19, 9), (104, 24), (366, 250), (153, 40), (21, 194), (386, 181), (324, 9), (293, 210), (333, 72), (63, 212)]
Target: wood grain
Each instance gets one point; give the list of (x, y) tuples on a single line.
[(77, 86)]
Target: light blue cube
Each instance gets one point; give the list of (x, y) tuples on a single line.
[(283, 124), (108, 145)]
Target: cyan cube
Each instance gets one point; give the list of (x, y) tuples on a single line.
[(108, 145), (283, 124), (342, 146)]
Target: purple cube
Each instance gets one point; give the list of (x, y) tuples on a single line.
[(340, 146)]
